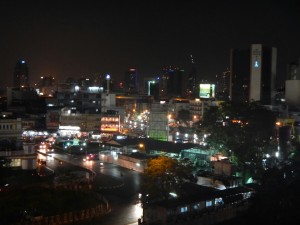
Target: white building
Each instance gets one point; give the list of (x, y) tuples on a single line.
[(292, 92)]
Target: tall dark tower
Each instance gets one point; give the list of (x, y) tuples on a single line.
[(130, 81), (253, 74), (152, 87), (21, 78), (191, 87), (223, 85), (172, 82)]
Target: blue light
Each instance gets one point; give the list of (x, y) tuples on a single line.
[(22, 61), (256, 64), (107, 77)]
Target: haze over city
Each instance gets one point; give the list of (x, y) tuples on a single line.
[(89, 38)]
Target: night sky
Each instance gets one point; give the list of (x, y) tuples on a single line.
[(92, 38)]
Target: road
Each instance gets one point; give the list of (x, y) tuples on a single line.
[(119, 185)]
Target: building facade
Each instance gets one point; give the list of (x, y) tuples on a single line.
[(172, 83), (292, 84), (21, 77), (253, 74), (131, 81), (192, 82), (223, 85), (158, 128)]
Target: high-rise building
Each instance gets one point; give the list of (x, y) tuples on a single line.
[(293, 70), (131, 81), (292, 84), (21, 78), (191, 86), (223, 85), (172, 82), (151, 86), (253, 74)]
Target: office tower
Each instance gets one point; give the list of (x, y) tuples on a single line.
[(21, 78), (293, 70), (292, 84), (223, 85), (253, 74), (152, 87), (191, 87), (131, 81), (172, 82)]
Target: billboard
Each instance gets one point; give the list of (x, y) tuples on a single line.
[(207, 91)]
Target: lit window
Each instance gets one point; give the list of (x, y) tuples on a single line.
[(208, 203), (197, 206), (183, 209)]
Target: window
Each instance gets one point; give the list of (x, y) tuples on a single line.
[(197, 206), (208, 203), (183, 209)]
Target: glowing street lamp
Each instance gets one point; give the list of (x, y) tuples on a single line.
[(142, 147)]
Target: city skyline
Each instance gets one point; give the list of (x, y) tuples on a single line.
[(84, 39)]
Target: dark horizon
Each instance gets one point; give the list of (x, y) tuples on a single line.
[(82, 39)]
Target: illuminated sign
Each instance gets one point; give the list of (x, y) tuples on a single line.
[(111, 129), (207, 91), (69, 128)]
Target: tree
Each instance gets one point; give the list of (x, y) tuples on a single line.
[(245, 130), (164, 175)]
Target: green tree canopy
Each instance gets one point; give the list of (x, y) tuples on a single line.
[(164, 175), (245, 130)]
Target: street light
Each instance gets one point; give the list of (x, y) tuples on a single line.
[(142, 147)]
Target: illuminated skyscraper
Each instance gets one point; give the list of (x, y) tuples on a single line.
[(253, 74), (21, 78)]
